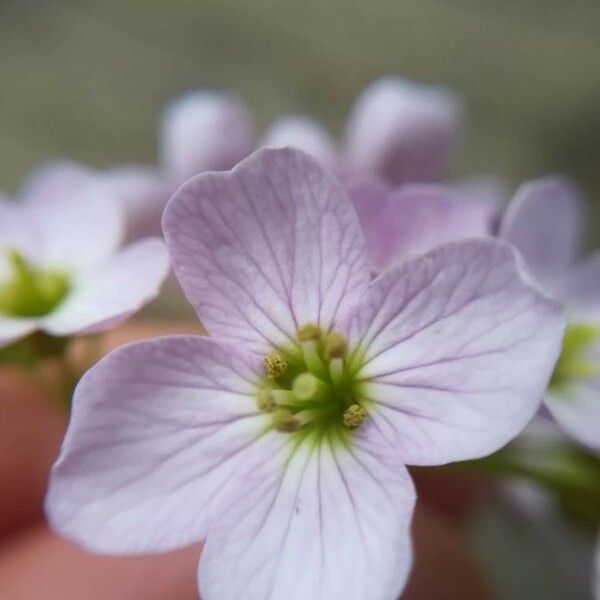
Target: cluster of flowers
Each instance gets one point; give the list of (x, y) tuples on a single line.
[(362, 317)]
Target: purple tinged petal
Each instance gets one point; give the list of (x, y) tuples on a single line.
[(403, 131), (158, 431), (266, 248), (142, 194), (416, 218), (544, 222), (579, 287), (458, 351), (106, 294), (303, 134), (77, 220), (205, 131), (577, 412), (333, 524), (16, 231)]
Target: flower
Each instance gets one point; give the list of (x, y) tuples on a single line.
[(60, 268), (544, 222), (398, 130), (282, 439)]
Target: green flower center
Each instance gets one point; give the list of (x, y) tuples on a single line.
[(314, 389), (30, 291), (573, 361)]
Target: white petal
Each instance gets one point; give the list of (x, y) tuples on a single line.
[(157, 431), (78, 221), (544, 221), (13, 329), (458, 351), (334, 524), (265, 248), (107, 294)]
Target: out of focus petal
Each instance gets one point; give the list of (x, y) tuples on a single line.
[(403, 131), (304, 134), (111, 291), (205, 131), (544, 221)]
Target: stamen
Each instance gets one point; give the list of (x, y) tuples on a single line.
[(308, 387), (282, 397), (336, 370), (275, 365), (335, 346), (286, 422), (314, 363), (265, 400), (308, 331), (354, 416)]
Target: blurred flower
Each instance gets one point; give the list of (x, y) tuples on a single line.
[(283, 439), (545, 222), (398, 131), (60, 267)]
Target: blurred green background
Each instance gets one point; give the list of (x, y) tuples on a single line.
[(88, 80)]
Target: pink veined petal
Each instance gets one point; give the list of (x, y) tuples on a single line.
[(577, 411), (266, 248), (544, 222), (303, 134), (458, 351), (105, 295), (416, 218), (78, 221), (142, 194), (11, 329), (205, 131), (158, 430), (403, 131), (334, 523)]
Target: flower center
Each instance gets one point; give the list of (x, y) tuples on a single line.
[(573, 361), (29, 291), (314, 389)]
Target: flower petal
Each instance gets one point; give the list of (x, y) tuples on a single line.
[(577, 411), (458, 351), (158, 428), (205, 131), (12, 329), (333, 524), (303, 134), (266, 248), (16, 231), (79, 222), (142, 194), (544, 221), (416, 218), (107, 294), (403, 131), (579, 287)]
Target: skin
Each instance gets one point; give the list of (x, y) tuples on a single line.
[(33, 559)]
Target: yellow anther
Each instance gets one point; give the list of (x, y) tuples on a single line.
[(286, 422), (335, 346), (308, 331), (354, 416), (275, 365)]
